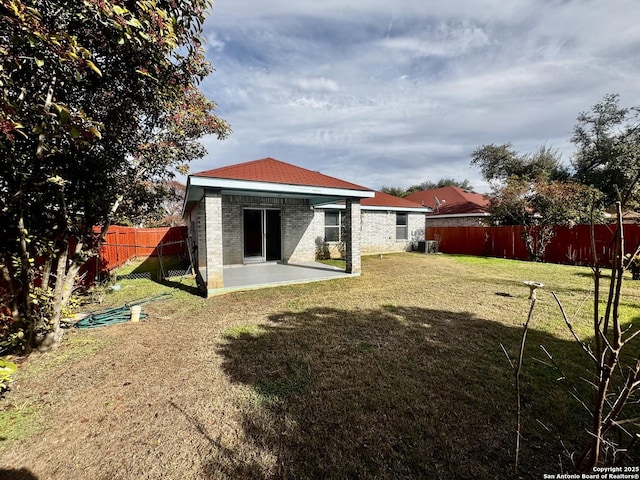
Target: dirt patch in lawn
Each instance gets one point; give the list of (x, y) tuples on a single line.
[(396, 374)]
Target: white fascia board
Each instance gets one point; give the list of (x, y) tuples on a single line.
[(397, 209), (231, 184), (331, 206), (459, 215), (337, 206), (191, 194)]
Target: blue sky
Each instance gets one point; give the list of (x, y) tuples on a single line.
[(393, 93)]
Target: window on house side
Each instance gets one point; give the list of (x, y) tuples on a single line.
[(401, 226), (332, 223)]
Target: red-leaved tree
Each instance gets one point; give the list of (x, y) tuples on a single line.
[(99, 98)]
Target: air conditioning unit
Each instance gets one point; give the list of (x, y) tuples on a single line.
[(431, 246), (428, 246)]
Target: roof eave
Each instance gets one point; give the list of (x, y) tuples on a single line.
[(271, 187), (316, 194), (459, 215), (338, 206)]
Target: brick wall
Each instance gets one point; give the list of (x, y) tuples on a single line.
[(198, 217), (302, 229), (353, 234), (416, 230), (232, 227), (213, 227), (297, 235), (298, 231), (378, 232)]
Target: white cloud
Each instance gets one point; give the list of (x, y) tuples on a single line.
[(384, 93), (213, 42), (317, 84), (443, 40)]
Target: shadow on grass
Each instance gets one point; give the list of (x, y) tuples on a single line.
[(395, 393), (176, 269), (605, 274), (22, 474), (150, 267), (192, 289)]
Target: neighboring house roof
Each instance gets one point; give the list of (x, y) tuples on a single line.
[(270, 170), (384, 201), (629, 217), (452, 201)]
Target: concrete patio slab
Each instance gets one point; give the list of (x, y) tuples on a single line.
[(252, 276)]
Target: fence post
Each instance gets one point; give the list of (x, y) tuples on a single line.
[(117, 249)]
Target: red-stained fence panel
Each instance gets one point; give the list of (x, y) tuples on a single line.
[(124, 243), (568, 246)]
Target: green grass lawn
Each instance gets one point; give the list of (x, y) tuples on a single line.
[(399, 373)]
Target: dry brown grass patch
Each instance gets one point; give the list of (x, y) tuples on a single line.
[(396, 374)]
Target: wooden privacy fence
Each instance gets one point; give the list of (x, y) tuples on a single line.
[(125, 243), (568, 246)]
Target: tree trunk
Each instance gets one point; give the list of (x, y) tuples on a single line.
[(66, 273), (26, 286)]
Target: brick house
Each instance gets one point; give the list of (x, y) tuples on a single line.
[(389, 224), (271, 211), (453, 207)]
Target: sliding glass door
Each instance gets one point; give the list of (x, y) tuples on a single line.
[(262, 235)]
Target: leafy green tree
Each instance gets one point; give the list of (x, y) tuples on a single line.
[(163, 208), (533, 190), (397, 191), (509, 204), (539, 206), (98, 101), (498, 163), (608, 150), (427, 185), (443, 182)]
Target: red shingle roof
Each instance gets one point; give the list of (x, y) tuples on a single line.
[(385, 200), (270, 170), (453, 200)]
